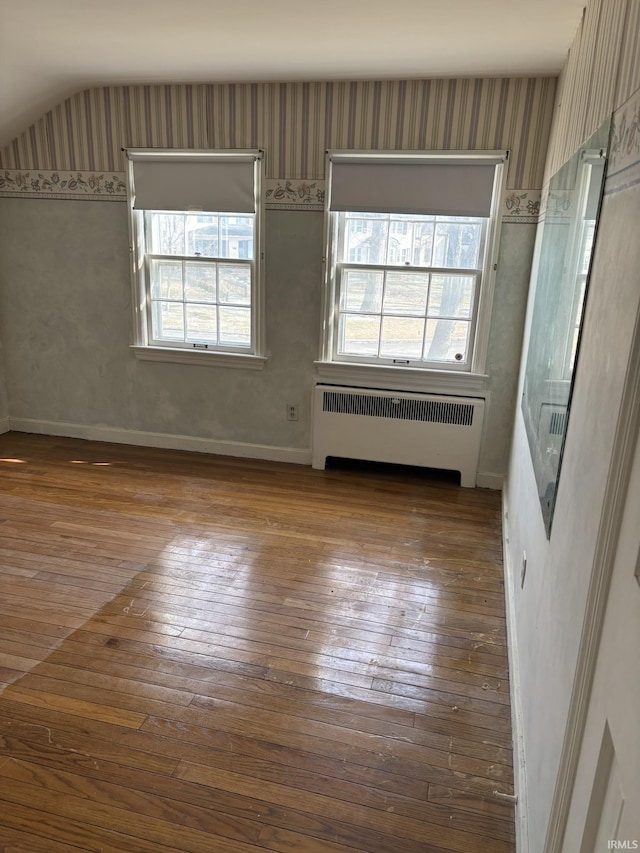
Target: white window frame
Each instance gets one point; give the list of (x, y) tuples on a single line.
[(414, 375), (399, 264), (143, 345)]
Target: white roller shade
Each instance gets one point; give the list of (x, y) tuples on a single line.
[(444, 187), (224, 183)]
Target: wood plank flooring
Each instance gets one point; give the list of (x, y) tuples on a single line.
[(206, 654)]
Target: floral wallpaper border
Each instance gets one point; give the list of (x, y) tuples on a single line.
[(556, 205), (293, 194), (283, 194), (624, 150), (521, 206), (54, 184)]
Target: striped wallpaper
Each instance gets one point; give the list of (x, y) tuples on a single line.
[(601, 73), (295, 123)]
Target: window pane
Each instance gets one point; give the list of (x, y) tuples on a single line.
[(400, 226), (361, 291), (236, 237), (587, 246), (202, 323), (451, 296), (168, 321), (166, 280), (235, 326), (359, 334), (200, 282), (167, 233), (457, 244), (378, 240), (406, 293), (446, 339), (202, 234), (423, 244), (401, 336), (366, 240), (356, 227), (400, 249), (234, 283)]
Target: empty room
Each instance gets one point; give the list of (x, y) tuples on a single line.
[(319, 416)]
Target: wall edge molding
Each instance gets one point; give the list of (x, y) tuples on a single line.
[(517, 726), (168, 441)]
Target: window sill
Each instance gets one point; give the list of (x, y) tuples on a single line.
[(403, 378), (199, 357)]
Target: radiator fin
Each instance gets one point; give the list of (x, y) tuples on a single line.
[(557, 423), (398, 408)]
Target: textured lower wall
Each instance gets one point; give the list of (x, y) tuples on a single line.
[(505, 341), (66, 325), (65, 308), (4, 406)]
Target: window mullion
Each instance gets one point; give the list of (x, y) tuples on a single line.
[(240, 262), (452, 271), (413, 250), (218, 303), (184, 303), (386, 248), (384, 291), (338, 331), (426, 319)]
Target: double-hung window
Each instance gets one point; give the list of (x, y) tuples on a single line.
[(196, 233), (410, 252)]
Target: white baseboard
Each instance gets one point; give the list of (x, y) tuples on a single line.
[(245, 450), (519, 768), (116, 435), (486, 480)]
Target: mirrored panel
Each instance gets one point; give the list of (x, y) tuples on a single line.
[(566, 236)]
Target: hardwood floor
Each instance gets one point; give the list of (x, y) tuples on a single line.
[(207, 654)]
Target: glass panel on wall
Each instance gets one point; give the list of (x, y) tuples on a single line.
[(563, 258)]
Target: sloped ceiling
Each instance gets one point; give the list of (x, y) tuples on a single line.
[(50, 49)]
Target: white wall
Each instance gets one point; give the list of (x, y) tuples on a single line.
[(549, 610)]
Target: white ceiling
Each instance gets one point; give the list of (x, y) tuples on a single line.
[(50, 49)]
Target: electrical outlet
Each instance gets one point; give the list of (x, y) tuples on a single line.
[(523, 572), (292, 412)]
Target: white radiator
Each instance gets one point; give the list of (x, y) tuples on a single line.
[(429, 430)]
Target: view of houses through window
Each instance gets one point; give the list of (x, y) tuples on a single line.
[(200, 272), (407, 286)]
